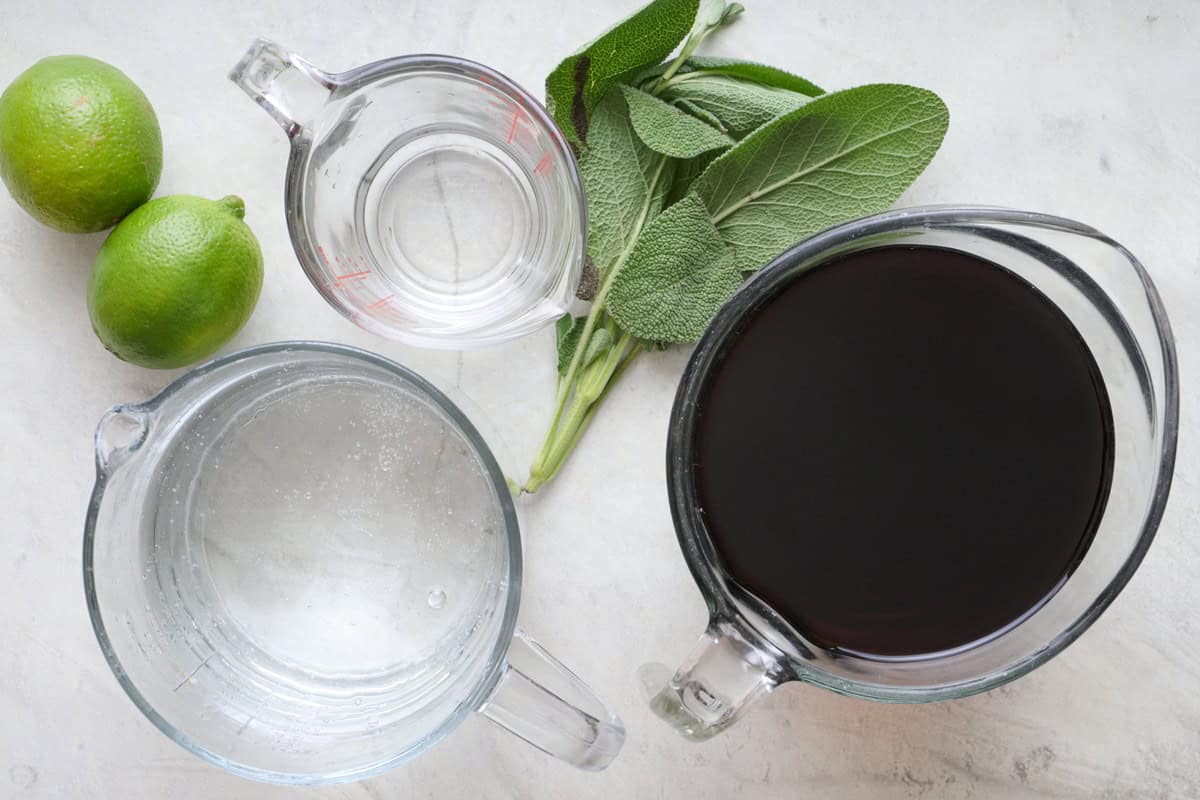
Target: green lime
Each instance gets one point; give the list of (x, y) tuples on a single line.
[(79, 143), (175, 280)]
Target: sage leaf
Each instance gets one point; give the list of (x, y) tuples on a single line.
[(841, 156), (599, 343), (644, 79), (732, 12), (580, 81), (709, 14), (753, 71), (660, 191), (677, 276), (740, 105), (667, 130), (685, 173), (567, 331), (699, 113), (624, 182)]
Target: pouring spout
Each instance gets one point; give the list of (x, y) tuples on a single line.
[(723, 676), (121, 431), (288, 88)]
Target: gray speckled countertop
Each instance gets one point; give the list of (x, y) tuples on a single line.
[(1085, 109)]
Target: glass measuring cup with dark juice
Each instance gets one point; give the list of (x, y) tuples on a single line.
[(907, 450)]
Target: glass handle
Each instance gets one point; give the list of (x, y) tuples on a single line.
[(120, 431), (545, 704), (289, 88), (724, 674)]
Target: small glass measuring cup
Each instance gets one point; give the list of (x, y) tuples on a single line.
[(429, 198), (303, 564), (749, 649)]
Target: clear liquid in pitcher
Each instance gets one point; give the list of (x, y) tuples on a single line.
[(336, 540)]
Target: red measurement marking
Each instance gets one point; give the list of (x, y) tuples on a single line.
[(337, 281), (324, 257), (512, 131), (380, 303), (494, 94), (484, 79), (519, 116), (544, 165)]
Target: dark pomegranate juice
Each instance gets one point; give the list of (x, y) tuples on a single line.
[(907, 450)]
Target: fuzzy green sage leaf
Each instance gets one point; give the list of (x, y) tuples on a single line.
[(601, 341), (753, 71), (699, 113), (678, 275), (580, 81), (739, 104), (566, 338), (624, 181), (841, 156), (667, 130)]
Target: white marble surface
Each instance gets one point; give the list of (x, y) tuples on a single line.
[(1085, 108)]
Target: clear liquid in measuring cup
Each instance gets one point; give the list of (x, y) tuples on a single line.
[(442, 207), (450, 211), (301, 533)]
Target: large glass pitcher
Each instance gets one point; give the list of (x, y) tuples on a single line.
[(1102, 289), (303, 564)]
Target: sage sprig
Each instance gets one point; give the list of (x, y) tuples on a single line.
[(699, 171)]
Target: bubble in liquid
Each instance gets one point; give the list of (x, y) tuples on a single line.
[(436, 598)]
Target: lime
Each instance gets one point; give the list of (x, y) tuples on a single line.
[(175, 280), (79, 143)]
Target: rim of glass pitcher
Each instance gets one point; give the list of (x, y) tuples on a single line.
[(723, 595), (357, 78), (496, 659)]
